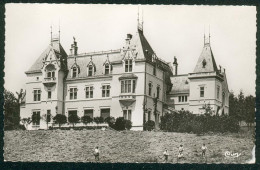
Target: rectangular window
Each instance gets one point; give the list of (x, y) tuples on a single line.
[(158, 91), (90, 70), (73, 93), (48, 115), (201, 91), (74, 72), (186, 98), (128, 86), (154, 70), (149, 115), (105, 113), (72, 112), (218, 89), (150, 89), (107, 69), (89, 113), (128, 65), (127, 114), (49, 94), (182, 98), (89, 92), (105, 90), (179, 98), (36, 118), (36, 95)]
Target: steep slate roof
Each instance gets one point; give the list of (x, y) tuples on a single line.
[(180, 84), (98, 59), (138, 42), (58, 49), (207, 57)]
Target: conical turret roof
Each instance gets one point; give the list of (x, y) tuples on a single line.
[(206, 61)]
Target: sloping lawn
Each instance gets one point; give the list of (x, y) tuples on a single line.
[(125, 146)]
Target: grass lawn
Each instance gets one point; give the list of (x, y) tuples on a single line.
[(125, 146)]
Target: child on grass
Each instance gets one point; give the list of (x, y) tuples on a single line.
[(96, 154), (204, 149), (165, 154)]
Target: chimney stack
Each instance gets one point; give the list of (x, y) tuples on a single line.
[(74, 47), (128, 38), (175, 67)]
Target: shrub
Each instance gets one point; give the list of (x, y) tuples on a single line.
[(60, 119), (122, 124), (184, 121), (86, 119), (73, 118), (110, 121), (98, 120), (149, 125), (128, 124)]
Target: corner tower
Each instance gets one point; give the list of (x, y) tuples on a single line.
[(208, 85)]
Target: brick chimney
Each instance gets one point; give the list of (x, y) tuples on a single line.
[(74, 47), (128, 38)]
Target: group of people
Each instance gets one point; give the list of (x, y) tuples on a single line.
[(165, 153), (180, 154)]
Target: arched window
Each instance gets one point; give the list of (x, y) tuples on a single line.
[(50, 71)]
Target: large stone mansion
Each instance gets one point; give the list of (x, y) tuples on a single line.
[(131, 82)]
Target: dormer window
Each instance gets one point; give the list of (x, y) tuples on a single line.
[(107, 68), (204, 63), (74, 72), (128, 65), (50, 71), (90, 70)]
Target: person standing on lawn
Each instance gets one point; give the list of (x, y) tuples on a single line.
[(96, 154), (204, 149), (166, 155), (180, 155)]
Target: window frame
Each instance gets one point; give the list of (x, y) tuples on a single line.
[(49, 94), (150, 86), (128, 65), (128, 86), (89, 92), (202, 91), (37, 95), (38, 119), (107, 69), (73, 93), (74, 72), (90, 70), (106, 90), (127, 114)]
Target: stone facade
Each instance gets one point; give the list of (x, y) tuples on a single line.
[(131, 82)]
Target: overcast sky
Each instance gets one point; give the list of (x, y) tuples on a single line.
[(171, 31)]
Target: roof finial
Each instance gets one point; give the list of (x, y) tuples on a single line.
[(59, 31), (139, 24), (142, 19), (51, 34), (209, 33), (204, 34)]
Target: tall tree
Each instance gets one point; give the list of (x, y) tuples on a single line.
[(11, 111), (241, 106), (249, 110)]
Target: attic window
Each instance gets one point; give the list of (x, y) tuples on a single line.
[(204, 63)]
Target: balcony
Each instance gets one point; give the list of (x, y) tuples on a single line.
[(49, 81), (127, 99)]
